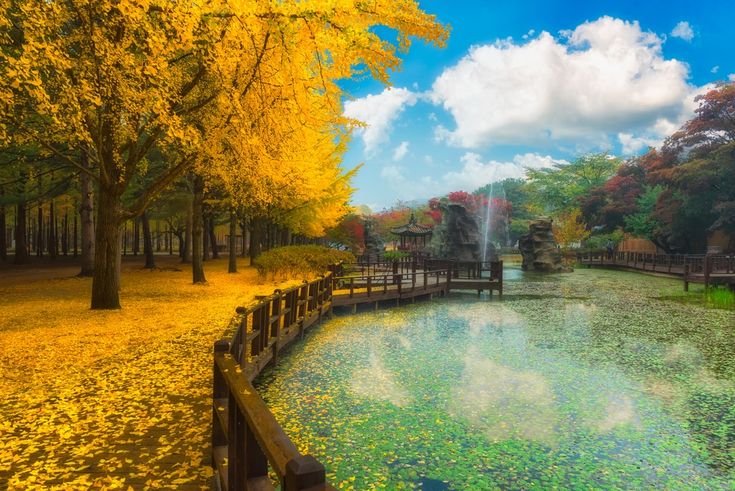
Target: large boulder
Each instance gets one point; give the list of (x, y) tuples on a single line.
[(539, 249), (458, 236)]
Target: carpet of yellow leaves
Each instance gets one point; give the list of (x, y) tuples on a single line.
[(112, 399)]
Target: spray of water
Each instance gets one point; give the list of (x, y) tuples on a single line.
[(488, 219)]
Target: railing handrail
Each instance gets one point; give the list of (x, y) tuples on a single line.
[(248, 439), (391, 276), (244, 431)]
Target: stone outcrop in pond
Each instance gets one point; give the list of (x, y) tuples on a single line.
[(539, 249), (458, 237)]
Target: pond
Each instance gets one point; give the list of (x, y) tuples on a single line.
[(580, 380)]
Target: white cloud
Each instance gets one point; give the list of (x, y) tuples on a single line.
[(634, 144), (683, 30), (731, 77), (393, 173), (602, 78), (378, 112), (654, 135), (400, 151), (475, 173), (715, 69)]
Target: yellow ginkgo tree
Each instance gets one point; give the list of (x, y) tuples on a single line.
[(109, 81)]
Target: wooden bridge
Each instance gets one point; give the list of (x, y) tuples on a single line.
[(373, 283), (247, 441), (710, 269)]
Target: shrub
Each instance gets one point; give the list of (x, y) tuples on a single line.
[(394, 255), (298, 262), (596, 242)]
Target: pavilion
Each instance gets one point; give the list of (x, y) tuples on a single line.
[(413, 236)]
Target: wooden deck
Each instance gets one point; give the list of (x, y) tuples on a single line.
[(709, 269), (381, 287)]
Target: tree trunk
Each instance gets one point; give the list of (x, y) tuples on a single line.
[(52, 230), (147, 242), (212, 237), (21, 245), (86, 216), (158, 235), (245, 229), (75, 235), (197, 263), (3, 236), (65, 235), (136, 237), (186, 254), (106, 277), (232, 253), (205, 238), (286, 236), (256, 234), (39, 232)]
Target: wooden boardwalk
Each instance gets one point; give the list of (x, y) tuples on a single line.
[(357, 290), (247, 441), (709, 269)]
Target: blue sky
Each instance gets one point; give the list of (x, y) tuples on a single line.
[(530, 84)]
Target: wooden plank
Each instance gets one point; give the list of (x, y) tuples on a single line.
[(220, 464), (270, 436), (220, 408)]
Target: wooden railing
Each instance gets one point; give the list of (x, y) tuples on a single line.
[(246, 438), (381, 284), (466, 269), (376, 265), (686, 265)]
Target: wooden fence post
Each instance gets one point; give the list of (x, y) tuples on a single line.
[(219, 392), (707, 266), (302, 473)]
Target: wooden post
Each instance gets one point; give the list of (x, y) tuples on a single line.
[(707, 270), (304, 472), (219, 392), (686, 275)]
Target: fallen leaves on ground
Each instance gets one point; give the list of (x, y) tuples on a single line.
[(113, 399)]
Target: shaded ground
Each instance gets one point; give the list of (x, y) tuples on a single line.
[(117, 398)]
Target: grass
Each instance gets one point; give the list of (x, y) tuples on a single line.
[(721, 298), (718, 297), (112, 399)]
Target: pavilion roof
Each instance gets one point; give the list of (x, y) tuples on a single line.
[(412, 228)]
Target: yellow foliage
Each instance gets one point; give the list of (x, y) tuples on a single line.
[(111, 399), (570, 229)]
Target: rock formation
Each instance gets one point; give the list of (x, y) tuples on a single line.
[(539, 249), (458, 236)]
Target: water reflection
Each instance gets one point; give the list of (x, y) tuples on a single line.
[(377, 383), (503, 402), (585, 382)]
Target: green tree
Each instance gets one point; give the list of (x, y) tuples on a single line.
[(643, 223), (558, 189)]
